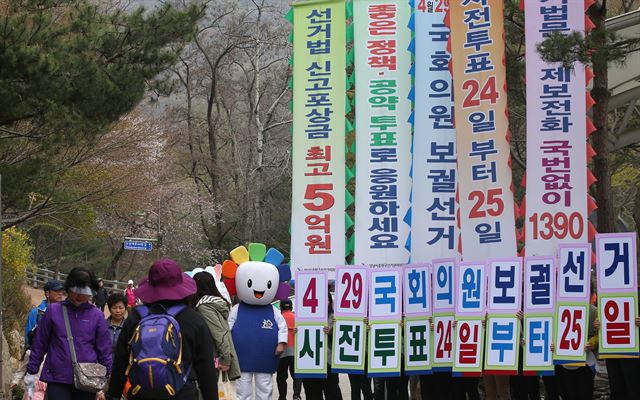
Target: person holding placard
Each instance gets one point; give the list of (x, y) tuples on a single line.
[(325, 388), (576, 381)]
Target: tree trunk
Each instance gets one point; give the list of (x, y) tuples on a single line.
[(112, 270), (600, 93)]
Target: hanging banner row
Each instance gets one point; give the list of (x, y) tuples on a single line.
[(469, 317), (432, 152)]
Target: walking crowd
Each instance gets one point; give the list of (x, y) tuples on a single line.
[(179, 337)]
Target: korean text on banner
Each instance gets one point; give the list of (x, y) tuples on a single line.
[(539, 313), (572, 304), (487, 222), (617, 272), (349, 329), (318, 160), (311, 342), (434, 232), (556, 181), (383, 137), (470, 306)]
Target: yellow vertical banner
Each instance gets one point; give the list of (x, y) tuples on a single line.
[(318, 192), (487, 222)]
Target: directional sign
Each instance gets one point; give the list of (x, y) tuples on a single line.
[(137, 245)]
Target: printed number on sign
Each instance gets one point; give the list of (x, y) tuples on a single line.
[(316, 192), (352, 296), (443, 331), (488, 92), (571, 319), (494, 203), (441, 5), (310, 298), (547, 226)]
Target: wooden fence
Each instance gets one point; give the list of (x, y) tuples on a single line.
[(38, 277)]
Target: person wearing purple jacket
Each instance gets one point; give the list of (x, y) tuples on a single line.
[(90, 334)]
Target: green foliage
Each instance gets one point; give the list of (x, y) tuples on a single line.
[(68, 71), (17, 257)]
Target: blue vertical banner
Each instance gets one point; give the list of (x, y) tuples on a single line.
[(434, 233)]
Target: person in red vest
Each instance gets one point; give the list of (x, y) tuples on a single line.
[(285, 365)]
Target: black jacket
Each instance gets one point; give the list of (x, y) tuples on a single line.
[(101, 296), (197, 350)]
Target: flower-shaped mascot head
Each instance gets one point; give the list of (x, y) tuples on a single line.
[(256, 275), (258, 329)]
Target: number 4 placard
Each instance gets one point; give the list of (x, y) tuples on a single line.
[(311, 296)]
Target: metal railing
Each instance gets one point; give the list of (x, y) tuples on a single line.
[(38, 277)]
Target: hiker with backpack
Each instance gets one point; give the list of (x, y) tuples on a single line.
[(215, 310), (73, 336), (164, 346)]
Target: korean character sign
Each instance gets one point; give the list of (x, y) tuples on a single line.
[(318, 146), (383, 137), (487, 223), (617, 272), (311, 305), (417, 315), (539, 314), (572, 315), (503, 327), (470, 307), (442, 281), (350, 311), (385, 314)]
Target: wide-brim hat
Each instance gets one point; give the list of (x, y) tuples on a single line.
[(165, 281)]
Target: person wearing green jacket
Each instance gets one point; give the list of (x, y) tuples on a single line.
[(215, 310)]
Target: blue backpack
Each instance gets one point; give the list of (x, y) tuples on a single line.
[(155, 362)]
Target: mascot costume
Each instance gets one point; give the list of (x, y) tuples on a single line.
[(258, 329)]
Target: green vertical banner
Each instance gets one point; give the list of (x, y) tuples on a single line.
[(383, 134), (318, 192)]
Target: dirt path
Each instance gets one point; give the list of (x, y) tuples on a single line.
[(36, 295)]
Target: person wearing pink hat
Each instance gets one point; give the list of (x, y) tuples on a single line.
[(167, 288)]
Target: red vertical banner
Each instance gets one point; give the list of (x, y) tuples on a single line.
[(485, 196)]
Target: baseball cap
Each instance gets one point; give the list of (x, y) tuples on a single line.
[(53, 285), (286, 304)]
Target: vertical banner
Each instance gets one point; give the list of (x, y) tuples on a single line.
[(617, 272), (470, 307), (572, 316), (539, 310), (318, 160), (383, 137), (443, 314), (349, 330), (311, 317), (556, 199), (417, 317), (503, 326), (434, 233), (385, 314), (487, 222)]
